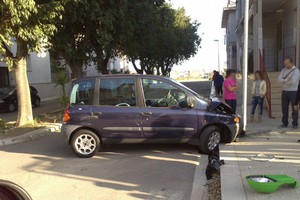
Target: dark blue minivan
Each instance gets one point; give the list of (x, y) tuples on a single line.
[(140, 109)]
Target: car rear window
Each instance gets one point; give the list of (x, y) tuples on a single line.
[(83, 92)]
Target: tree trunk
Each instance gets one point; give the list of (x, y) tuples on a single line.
[(164, 71), (22, 86), (77, 69), (149, 70), (139, 71), (102, 65), (157, 71)]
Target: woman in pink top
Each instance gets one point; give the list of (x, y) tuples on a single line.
[(230, 88)]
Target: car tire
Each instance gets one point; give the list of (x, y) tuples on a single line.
[(209, 139), (12, 191), (12, 107), (85, 143), (37, 102)]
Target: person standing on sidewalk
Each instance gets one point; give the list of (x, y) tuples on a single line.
[(218, 81), (230, 88), (258, 91), (289, 78), (297, 101)]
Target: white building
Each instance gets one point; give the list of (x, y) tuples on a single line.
[(274, 34)]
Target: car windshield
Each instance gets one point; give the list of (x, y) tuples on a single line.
[(6, 91), (191, 91)]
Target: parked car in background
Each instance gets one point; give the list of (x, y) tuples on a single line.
[(9, 99), (140, 109)]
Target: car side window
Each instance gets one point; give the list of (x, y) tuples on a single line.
[(83, 92), (117, 92), (161, 94)]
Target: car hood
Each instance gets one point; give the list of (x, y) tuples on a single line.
[(220, 106)]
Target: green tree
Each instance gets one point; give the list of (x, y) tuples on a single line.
[(141, 23), (88, 32), (28, 24), (160, 37)]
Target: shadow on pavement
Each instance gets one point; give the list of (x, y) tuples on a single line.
[(142, 171)]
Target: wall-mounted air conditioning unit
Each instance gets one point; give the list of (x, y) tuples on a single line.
[(61, 63)]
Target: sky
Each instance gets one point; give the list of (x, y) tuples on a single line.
[(209, 14)]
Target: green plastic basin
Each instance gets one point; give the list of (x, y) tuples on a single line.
[(270, 183)]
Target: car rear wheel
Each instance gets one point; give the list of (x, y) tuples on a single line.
[(37, 102), (12, 107), (209, 139), (85, 143)]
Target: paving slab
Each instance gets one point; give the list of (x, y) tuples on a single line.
[(283, 153)]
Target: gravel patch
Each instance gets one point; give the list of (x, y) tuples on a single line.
[(213, 189)]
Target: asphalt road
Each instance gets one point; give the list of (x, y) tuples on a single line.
[(48, 169), (45, 107)]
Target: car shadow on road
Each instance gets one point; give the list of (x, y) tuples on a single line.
[(138, 170)]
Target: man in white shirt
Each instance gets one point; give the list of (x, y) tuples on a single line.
[(289, 78)]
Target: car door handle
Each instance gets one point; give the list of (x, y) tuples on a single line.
[(96, 113), (146, 114)]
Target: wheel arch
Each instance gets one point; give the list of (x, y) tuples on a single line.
[(225, 133), (84, 128)]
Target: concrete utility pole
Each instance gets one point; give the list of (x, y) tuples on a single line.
[(245, 64), (219, 67)]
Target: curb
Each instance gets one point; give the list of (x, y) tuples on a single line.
[(32, 135), (198, 190), (231, 178)]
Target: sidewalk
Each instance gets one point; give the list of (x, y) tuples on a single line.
[(277, 151), (265, 126)]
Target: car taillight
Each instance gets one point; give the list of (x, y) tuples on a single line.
[(66, 115)]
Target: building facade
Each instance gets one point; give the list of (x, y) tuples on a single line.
[(274, 32), (229, 23)]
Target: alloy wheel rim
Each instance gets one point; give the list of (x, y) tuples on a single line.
[(214, 140), (85, 144)]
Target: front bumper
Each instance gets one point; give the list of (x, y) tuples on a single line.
[(234, 130)]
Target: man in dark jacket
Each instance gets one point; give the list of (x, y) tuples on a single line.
[(218, 82)]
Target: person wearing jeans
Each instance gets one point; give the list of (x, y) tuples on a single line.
[(297, 100), (259, 89), (289, 78), (230, 88)]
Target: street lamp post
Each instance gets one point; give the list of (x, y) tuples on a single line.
[(245, 64), (219, 67)]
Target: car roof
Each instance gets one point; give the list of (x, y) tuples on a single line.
[(124, 75)]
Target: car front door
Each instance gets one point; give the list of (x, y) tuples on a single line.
[(165, 113), (117, 114)]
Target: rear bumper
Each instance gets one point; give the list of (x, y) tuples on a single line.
[(67, 130)]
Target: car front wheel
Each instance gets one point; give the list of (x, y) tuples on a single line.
[(85, 143), (209, 139)]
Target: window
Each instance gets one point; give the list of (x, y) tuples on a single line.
[(83, 92), (161, 94), (117, 92)]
